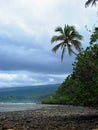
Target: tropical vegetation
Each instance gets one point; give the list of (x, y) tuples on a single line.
[(80, 87)]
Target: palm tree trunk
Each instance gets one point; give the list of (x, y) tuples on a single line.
[(75, 53)]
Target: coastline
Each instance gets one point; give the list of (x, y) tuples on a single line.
[(11, 107), (50, 117)]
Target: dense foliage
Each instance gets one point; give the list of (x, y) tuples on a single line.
[(81, 87)]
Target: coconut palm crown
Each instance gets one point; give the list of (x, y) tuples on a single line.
[(68, 38), (92, 2)]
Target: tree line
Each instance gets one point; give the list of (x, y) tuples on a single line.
[(81, 86)]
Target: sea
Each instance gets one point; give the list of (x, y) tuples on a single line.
[(24, 97)]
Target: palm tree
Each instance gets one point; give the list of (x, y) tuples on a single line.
[(92, 2), (68, 38)]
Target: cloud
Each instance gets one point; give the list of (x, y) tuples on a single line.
[(7, 76), (37, 18), (26, 28), (32, 59), (24, 78)]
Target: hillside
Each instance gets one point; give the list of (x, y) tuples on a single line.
[(26, 94)]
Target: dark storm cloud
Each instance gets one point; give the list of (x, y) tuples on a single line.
[(31, 56), (26, 53)]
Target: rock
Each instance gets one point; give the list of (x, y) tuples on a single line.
[(53, 118)]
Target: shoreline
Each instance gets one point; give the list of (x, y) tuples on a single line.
[(52, 117), (11, 107)]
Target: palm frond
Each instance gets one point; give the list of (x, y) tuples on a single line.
[(63, 45), (62, 55), (69, 49), (92, 2), (76, 35), (57, 38), (72, 28), (66, 30), (59, 29), (55, 48), (76, 44)]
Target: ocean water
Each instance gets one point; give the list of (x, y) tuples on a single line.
[(24, 98), (10, 107)]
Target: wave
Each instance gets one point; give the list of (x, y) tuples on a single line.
[(11, 103)]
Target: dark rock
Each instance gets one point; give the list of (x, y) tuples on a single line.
[(54, 118)]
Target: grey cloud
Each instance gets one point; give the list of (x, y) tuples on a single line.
[(25, 78), (26, 28), (31, 56), (36, 62)]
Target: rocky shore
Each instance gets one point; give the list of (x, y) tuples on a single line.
[(57, 117)]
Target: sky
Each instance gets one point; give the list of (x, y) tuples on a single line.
[(26, 28)]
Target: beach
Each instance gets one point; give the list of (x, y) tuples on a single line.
[(49, 117)]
